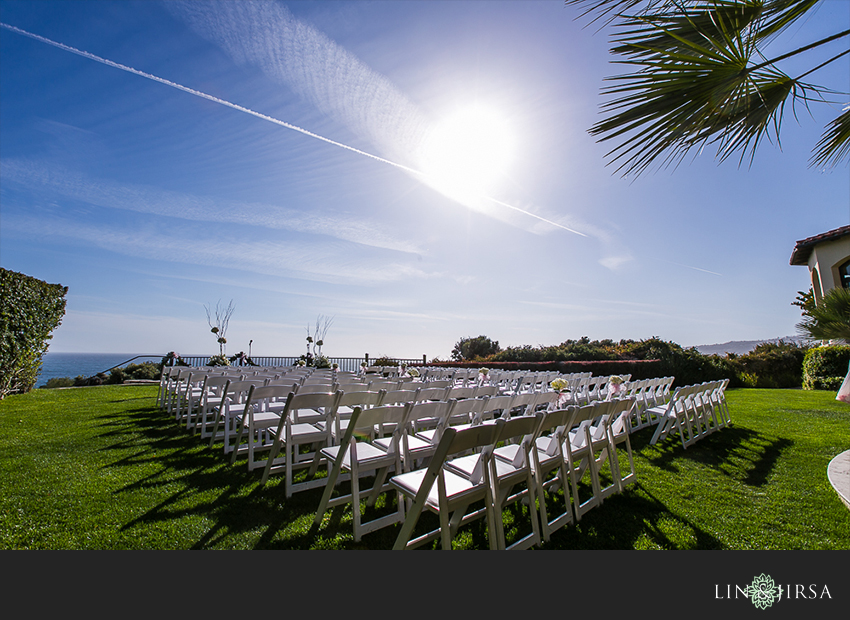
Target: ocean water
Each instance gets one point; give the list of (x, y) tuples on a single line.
[(87, 364)]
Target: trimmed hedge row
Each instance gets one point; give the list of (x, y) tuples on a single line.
[(824, 368), (30, 310), (638, 369)]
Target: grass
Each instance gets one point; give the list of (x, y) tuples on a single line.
[(103, 468)]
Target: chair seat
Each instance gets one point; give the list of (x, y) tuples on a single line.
[(368, 456), (303, 433), (265, 419), (415, 444), (465, 465), (457, 488)]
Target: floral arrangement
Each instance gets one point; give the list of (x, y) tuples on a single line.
[(412, 372), (301, 363), (218, 360), (615, 386), (559, 385), (173, 359)]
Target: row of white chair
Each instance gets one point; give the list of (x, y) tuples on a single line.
[(693, 412), (475, 465), (647, 393), (352, 440)]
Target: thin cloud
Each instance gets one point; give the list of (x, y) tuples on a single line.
[(152, 201), (331, 263)]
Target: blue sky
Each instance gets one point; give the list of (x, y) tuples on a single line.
[(308, 195)]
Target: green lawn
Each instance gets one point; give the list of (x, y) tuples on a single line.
[(103, 468)]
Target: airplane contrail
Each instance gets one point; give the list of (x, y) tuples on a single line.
[(265, 117)]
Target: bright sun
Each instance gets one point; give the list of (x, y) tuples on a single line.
[(467, 153)]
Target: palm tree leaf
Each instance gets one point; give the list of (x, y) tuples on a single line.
[(829, 319), (693, 83), (698, 78), (834, 145)]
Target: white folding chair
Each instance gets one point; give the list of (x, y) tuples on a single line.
[(619, 431), (360, 458), (419, 416), (345, 406), (514, 479), (674, 416), (228, 410), (449, 495), (290, 433), (213, 389), (549, 457), (587, 447)]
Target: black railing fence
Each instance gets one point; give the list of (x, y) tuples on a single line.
[(350, 364)]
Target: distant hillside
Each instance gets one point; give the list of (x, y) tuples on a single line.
[(741, 347)]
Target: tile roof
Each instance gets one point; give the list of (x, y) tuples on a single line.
[(803, 249)]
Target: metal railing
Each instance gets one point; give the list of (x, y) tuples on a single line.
[(347, 364)]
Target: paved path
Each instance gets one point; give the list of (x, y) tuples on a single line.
[(839, 476)]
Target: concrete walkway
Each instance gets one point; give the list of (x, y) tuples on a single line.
[(839, 476)]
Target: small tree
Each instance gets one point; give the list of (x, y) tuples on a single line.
[(30, 310), (473, 348)]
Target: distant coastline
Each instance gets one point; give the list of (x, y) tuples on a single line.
[(55, 365), (742, 347)]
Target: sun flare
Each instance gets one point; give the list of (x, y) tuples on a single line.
[(467, 153)]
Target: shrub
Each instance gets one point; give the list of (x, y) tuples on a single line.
[(474, 348), (384, 361), (824, 367), (30, 310), (772, 365), (145, 370), (59, 382)]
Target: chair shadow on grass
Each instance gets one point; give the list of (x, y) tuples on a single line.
[(740, 453), (209, 487), (241, 512)]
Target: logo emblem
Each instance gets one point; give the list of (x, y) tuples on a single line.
[(763, 592)]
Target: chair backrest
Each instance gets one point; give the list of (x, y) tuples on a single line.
[(620, 411), (262, 397), (460, 392), (486, 390), (364, 422), (428, 410), (523, 403), (553, 429), (237, 391), (431, 393), (398, 397), (495, 407), (379, 384), (521, 430), (311, 400), (358, 398)]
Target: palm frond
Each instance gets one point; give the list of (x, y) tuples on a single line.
[(696, 81), (829, 319), (834, 145)]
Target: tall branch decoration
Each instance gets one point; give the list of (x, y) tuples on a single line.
[(315, 341), (219, 327)]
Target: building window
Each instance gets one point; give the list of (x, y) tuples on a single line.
[(844, 273)]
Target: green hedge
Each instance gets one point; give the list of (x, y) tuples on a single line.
[(824, 368), (30, 310)]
